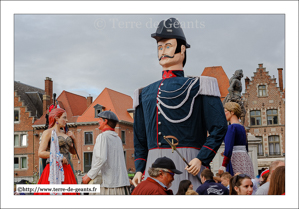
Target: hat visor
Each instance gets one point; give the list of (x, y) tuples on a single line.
[(176, 171), (159, 37)]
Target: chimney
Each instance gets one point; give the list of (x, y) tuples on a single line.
[(89, 100), (246, 82), (261, 65), (280, 78), (48, 97)]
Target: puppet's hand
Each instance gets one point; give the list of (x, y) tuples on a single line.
[(195, 166), (137, 178)]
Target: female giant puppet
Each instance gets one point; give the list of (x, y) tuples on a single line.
[(184, 107), (55, 147)]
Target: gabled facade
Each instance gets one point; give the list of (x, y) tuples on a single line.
[(28, 106), (264, 102)]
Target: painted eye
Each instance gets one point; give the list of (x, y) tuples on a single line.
[(167, 47), (160, 48)]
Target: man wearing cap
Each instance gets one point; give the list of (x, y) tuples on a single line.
[(185, 107), (161, 176), (108, 166)]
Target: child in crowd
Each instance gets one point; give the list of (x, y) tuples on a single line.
[(225, 178)]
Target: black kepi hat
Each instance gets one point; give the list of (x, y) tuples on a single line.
[(170, 28), (165, 162)]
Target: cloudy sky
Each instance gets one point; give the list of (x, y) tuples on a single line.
[(84, 53)]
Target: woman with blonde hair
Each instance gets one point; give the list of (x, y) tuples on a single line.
[(55, 146), (236, 158)]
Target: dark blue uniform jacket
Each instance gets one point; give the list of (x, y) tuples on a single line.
[(174, 106)]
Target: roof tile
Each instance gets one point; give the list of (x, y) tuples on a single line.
[(222, 79)]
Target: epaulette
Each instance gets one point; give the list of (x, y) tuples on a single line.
[(208, 86), (137, 92)]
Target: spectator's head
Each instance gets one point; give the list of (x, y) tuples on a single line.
[(240, 185), (107, 119), (277, 182), (205, 175), (163, 169), (264, 176), (184, 186), (217, 179), (191, 192), (276, 164), (225, 178)]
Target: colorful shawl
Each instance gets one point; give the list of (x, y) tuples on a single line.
[(56, 169)]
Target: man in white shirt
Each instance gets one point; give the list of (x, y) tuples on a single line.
[(108, 166)]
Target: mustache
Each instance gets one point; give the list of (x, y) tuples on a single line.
[(166, 56)]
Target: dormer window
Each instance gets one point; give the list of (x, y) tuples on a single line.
[(98, 109)]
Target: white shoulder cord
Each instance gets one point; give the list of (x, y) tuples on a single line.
[(176, 90), (183, 119), (179, 88), (183, 102)]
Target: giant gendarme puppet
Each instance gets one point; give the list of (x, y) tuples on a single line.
[(188, 108)]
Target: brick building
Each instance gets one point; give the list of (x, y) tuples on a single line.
[(264, 102), (83, 122), (28, 106)]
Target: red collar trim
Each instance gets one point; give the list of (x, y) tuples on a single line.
[(169, 74), (108, 129)]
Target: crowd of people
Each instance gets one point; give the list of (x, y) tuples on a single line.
[(225, 184)]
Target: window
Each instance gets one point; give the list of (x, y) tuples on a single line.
[(123, 136), (255, 118), (125, 155), (16, 163), (87, 161), (23, 140), (16, 115), (20, 140), (262, 91), (98, 108), (20, 162), (272, 117), (88, 137), (274, 145), (260, 150), (17, 141)]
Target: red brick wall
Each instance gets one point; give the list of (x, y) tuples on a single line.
[(24, 126), (273, 100), (129, 144)]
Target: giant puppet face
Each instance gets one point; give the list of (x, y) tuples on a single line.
[(167, 57)]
